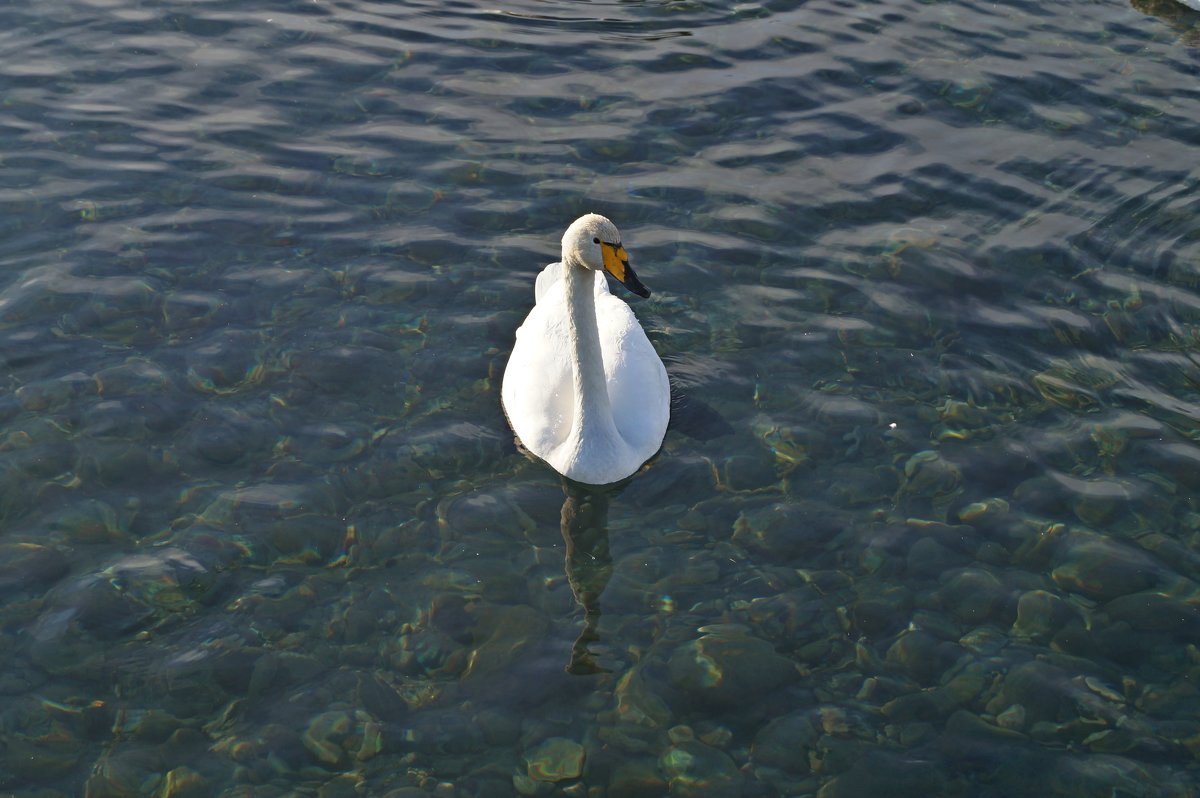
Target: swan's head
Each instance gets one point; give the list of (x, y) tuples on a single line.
[(594, 242)]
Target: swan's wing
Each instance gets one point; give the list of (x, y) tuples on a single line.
[(536, 389), (637, 381), (602, 287), (547, 277)]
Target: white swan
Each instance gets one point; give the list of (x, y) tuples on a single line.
[(584, 390)]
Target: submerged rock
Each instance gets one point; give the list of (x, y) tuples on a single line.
[(1103, 569), (1040, 614), (1012, 718), (29, 566), (183, 782), (881, 774), (782, 743), (786, 531), (89, 521), (228, 362), (1043, 689), (1154, 612), (555, 759), (927, 473), (223, 435), (1083, 776), (122, 775), (921, 655), (696, 770), (729, 667), (324, 733), (637, 779), (984, 512), (1181, 461), (883, 614), (974, 595), (969, 728), (638, 702), (927, 558), (133, 377), (38, 761)]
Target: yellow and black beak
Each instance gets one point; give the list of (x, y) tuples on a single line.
[(616, 263)]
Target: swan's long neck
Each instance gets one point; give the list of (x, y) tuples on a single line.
[(592, 415)]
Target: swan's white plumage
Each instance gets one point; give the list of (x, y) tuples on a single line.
[(539, 386)]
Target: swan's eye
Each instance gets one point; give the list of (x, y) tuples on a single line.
[(595, 240)]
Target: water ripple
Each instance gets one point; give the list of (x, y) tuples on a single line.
[(931, 269)]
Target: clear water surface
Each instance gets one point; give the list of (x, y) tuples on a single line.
[(928, 274)]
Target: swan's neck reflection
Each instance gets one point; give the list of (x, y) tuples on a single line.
[(589, 564)]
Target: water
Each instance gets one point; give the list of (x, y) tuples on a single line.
[(928, 273)]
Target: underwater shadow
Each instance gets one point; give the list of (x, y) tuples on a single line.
[(588, 562)]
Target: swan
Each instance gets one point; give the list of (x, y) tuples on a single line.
[(583, 389)]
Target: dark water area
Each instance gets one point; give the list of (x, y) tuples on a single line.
[(927, 273)]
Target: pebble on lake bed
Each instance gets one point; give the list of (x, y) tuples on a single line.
[(696, 770), (555, 759), (1103, 569), (729, 667)]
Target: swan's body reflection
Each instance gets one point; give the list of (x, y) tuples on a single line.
[(589, 566)]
